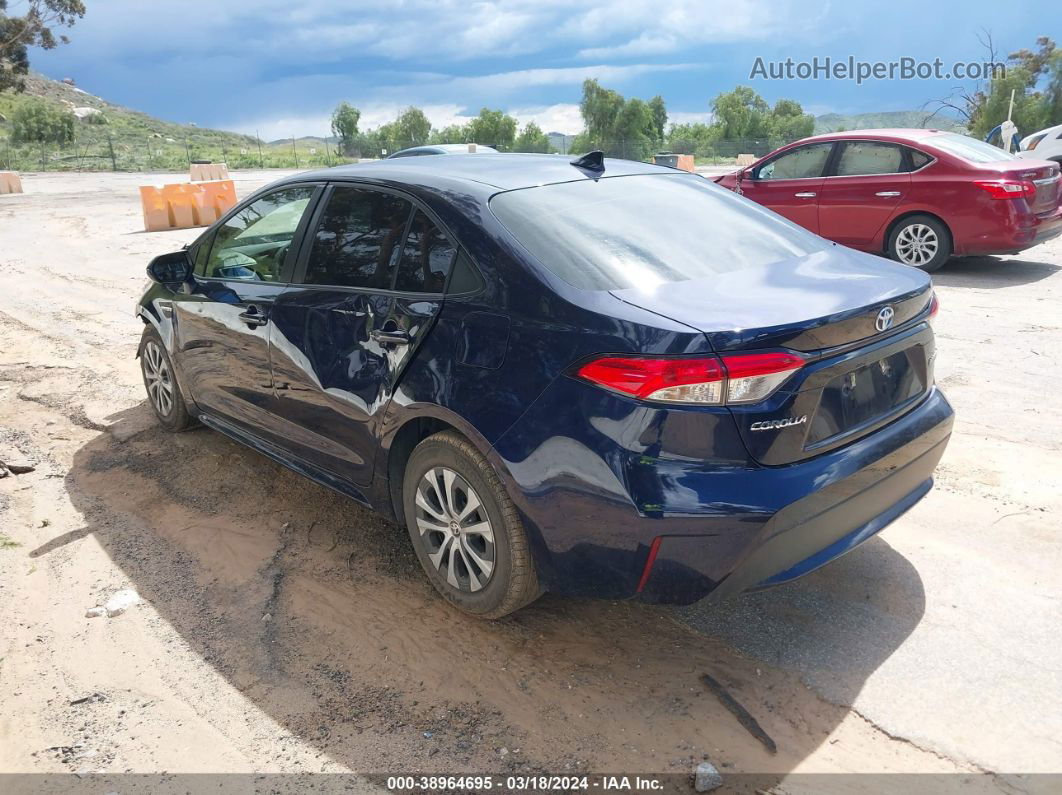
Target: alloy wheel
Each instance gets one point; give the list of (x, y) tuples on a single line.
[(157, 378), (455, 529), (917, 245)]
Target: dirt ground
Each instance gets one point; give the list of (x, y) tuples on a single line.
[(285, 629)]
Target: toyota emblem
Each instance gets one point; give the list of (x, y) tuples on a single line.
[(884, 319)]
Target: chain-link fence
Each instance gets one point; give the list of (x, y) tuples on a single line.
[(162, 154)]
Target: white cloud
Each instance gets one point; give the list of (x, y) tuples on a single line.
[(641, 29), (327, 31), (685, 117), (562, 117)]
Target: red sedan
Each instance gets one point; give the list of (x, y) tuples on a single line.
[(918, 196)]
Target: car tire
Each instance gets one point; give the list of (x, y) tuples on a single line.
[(465, 530), (920, 241), (160, 383)]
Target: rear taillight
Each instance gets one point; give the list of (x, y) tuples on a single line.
[(934, 307), (1034, 141), (1007, 188), (700, 380)]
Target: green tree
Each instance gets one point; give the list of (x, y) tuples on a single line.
[(32, 29), (987, 104), (413, 127), (1053, 94), (532, 139), (1030, 110), (492, 128), (39, 122), (691, 139), (451, 134), (741, 114), (658, 111), (789, 122), (600, 107), (345, 120), (620, 127)]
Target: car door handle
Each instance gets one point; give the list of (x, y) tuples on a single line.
[(806, 195), (888, 194), (390, 336), (253, 318), (351, 312)]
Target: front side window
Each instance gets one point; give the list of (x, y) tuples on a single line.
[(253, 244), (358, 241), (803, 163), (426, 258), (866, 158)]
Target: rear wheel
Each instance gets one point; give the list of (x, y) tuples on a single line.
[(466, 531), (163, 393), (920, 241)]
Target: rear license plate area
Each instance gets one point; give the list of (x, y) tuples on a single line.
[(868, 394)]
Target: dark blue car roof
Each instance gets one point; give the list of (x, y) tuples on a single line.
[(501, 171)]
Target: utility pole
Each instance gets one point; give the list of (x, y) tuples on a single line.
[(294, 151), (261, 158)]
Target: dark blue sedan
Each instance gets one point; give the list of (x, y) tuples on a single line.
[(592, 377)]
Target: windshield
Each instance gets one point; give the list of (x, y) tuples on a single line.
[(642, 231), (969, 149)]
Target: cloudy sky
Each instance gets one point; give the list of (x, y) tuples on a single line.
[(280, 67)]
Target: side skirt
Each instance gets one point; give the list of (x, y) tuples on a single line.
[(320, 476)]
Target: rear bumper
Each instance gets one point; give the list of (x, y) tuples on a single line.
[(1015, 231), (615, 518), (805, 535)]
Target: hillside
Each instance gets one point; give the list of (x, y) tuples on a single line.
[(832, 122), (134, 141)]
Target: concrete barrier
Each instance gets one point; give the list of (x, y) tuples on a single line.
[(685, 162), (746, 160), (206, 172), (183, 205), (10, 182)]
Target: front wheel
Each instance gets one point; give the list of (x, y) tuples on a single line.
[(920, 241), (465, 530), (161, 383)]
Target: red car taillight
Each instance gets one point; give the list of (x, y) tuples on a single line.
[(1007, 188), (934, 307), (700, 380)]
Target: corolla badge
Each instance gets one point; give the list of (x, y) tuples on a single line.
[(773, 425), (883, 322)]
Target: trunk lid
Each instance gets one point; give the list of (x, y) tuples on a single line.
[(858, 375), (1043, 174)]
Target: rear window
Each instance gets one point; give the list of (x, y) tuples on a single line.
[(642, 231), (969, 149)]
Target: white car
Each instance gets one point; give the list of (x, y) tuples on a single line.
[(1044, 145)]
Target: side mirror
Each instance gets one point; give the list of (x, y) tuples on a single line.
[(172, 268)]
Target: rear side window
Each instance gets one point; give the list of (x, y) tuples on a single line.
[(642, 231), (918, 159), (358, 240), (426, 258), (866, 158), (805, 162)]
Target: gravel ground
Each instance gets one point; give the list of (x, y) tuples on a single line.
[(283, 629)]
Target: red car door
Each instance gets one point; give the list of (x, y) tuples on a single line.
[(870, 180), (789, 184)]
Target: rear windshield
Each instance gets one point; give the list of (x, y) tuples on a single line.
[(642, 231), (969, 149)]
